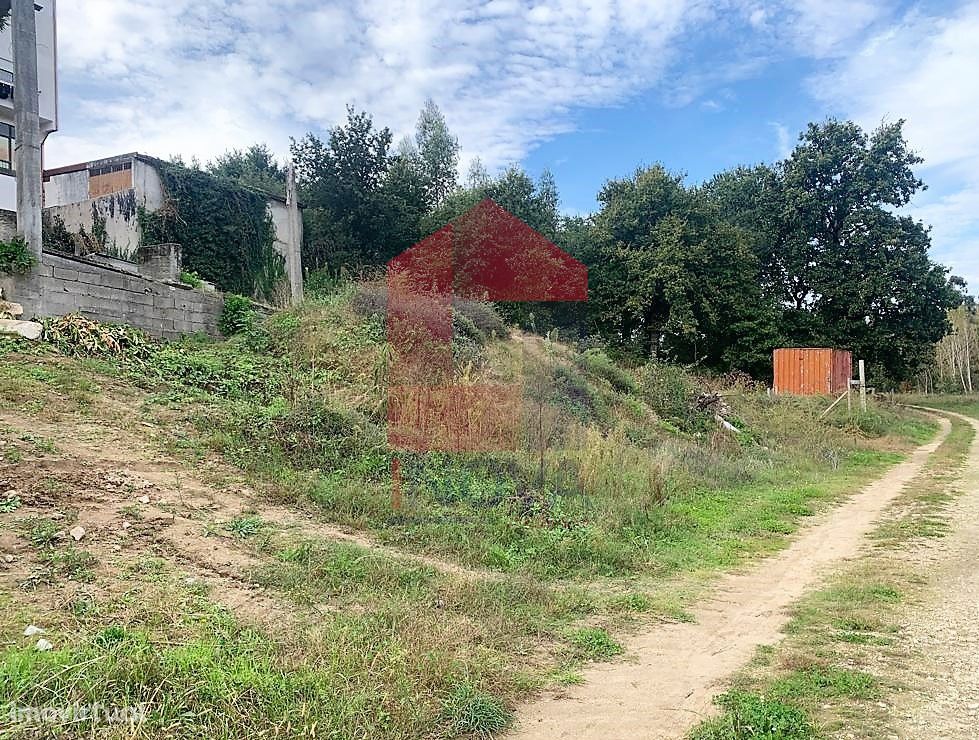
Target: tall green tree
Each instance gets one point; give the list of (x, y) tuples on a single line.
[(670, 280), (847, 269), (438, 151), (255, 168), (340, 181)]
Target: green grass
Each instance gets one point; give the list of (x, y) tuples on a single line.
[(641, 500), (246, 526), (595, 643), (750, 716)]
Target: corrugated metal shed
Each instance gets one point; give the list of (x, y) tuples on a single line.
[(810, 371)]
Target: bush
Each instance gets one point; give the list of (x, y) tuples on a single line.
[(238, 315), (16, 257), (314, 434), (191, 278), (595, 362), (670, 392), (222, 371)]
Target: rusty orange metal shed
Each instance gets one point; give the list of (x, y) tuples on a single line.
[(812, 371)]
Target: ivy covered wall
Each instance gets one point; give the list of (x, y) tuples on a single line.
[(226, 232)]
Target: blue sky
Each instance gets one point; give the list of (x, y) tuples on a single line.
[(586, 88)]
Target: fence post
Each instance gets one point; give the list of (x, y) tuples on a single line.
[(863, 387)]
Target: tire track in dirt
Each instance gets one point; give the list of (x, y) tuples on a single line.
[(671, 673)]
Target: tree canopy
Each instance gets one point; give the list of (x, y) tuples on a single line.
[(812, 250)]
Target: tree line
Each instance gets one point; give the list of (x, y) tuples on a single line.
[(809, 251)]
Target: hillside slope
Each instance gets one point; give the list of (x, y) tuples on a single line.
[(268, 579)]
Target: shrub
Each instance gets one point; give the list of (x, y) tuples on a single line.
[(238, 315), (218, 370), (597, 363), (484, 317), (191, 278), (16, 257), (670, 392), (314, 434)]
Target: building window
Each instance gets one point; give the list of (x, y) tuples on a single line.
[(6, 149)]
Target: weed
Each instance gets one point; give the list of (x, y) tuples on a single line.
[(16, 257), (594, 643), (42, 532), (238, 315), (9, 503), (748, 716), (469, 711), (70, 563), (246, 526)]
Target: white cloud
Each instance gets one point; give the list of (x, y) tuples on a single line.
[(923, 69), (175, 76), (783, 140)]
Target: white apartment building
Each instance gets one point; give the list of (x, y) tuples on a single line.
[(47, 82)]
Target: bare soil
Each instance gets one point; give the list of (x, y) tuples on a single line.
[(942, 630)]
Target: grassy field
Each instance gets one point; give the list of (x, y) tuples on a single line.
[(824, 679), (491, 581)]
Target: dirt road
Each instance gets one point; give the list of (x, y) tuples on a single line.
[(671, 673), (943, 631)]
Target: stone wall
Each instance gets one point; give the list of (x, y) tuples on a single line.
[(62, 284)]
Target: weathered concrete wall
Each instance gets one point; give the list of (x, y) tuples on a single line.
[(66, 196), (116, 214), (8, 225), (62, 284), (68, 187)]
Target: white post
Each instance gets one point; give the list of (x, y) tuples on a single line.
[(863, 387), (27, 135)]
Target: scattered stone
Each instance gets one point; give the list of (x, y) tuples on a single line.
[(8, 558), (32, 630), (126, 525), (77, 533), (9, 309), (43, 645), (143, 499), (27, 329)]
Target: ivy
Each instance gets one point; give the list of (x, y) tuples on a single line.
[(225, 231)]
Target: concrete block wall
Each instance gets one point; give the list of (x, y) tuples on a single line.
[(62, 284)]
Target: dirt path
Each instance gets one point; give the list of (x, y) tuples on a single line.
[(943, 632), (133, 500), (671, 674)]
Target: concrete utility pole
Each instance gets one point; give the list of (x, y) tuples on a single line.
[(294, 260), (27, 146)]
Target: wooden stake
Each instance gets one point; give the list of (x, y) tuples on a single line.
[(395, 483)]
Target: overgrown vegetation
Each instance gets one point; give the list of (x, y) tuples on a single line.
[(16, 257), (225, 230), (639, 489)]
